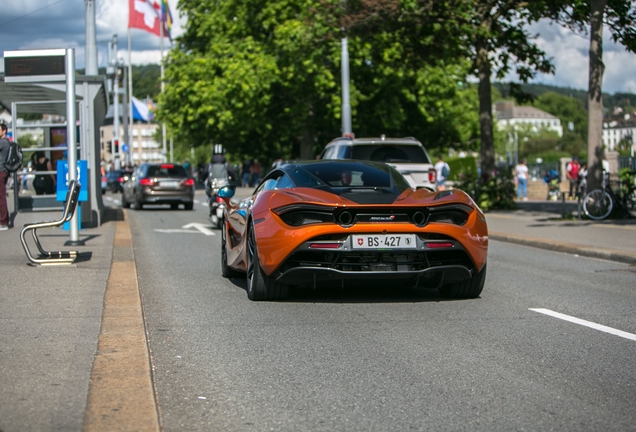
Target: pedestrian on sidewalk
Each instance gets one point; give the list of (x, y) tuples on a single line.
[(4, 177), (442, 171), (572, 173), (521, 174)]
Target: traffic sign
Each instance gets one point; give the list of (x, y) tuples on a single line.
[(124, 148)]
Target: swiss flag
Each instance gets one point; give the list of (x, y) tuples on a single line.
[(145, 15)]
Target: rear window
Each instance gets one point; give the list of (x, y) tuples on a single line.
[(390, 153), (166, 171), (348, 174)]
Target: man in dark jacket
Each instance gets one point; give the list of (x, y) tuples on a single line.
[(4, 178)]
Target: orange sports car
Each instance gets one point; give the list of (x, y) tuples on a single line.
[(340, 222)]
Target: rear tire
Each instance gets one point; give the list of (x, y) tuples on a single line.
[(259, 286), (188, 206), (174, 206), (597, 204), (470, 288), (124, 203), (136, 204)]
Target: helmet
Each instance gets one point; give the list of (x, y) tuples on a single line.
[(218, 149)]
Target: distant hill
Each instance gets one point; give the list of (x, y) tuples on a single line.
[(610, 102)]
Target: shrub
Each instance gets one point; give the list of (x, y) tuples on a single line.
[(490, 192)]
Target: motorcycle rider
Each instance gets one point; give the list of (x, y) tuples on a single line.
[(218, 175)]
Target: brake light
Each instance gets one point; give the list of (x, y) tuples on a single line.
[(324, 245), (438, 245), (432, 175), (121, 180), (167, 166), (147, 182), (104, 179), (219, 199), (188, 182)]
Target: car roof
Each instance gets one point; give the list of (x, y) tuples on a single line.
[(376, 140)]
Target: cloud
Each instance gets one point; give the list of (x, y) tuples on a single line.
[(570, 56), (33, 24)]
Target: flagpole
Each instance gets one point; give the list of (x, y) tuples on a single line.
[(131, 125), (163, 125)]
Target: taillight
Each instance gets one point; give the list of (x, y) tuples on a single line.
[(188, 182), (121, 179), (219, 199), (432, 175), (147, 182), (168, 166), (104, 179)]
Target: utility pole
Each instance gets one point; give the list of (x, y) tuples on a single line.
[(114, 149), (91, 43), (346, 105)]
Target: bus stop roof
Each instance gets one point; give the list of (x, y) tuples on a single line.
[(46, 93)]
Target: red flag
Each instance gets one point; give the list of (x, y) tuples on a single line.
[(145, 15)]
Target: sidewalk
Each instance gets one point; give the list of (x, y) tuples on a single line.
[(540, 224), (50, 320)]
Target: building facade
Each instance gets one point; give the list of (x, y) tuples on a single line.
[(619, 129), (508, 115), (142, 148)]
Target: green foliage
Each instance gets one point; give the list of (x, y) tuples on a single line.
[(27, 141), (146, 81), (496, 192), (461, 165)]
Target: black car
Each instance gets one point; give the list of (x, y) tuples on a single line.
[(159, 183), (115, 180)]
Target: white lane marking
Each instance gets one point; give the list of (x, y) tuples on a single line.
[(170, 231), (200, 227), (197, 202), (589, 324)]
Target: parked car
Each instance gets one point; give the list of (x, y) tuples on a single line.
[(156, 183), (336, 222), (115, 179), (407, 155)]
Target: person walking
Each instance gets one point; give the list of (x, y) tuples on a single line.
[(4, 178), (521, 173), (245, 172), (572, 173), (256, 172), (44, 184), (442, 171)]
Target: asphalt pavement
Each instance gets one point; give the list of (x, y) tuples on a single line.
[(50, 317)]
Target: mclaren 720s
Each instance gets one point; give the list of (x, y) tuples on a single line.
[(332, 222)]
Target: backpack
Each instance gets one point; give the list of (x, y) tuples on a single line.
[(14, 158), (445, 171)]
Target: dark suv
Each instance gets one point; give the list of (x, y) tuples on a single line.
[(115, 179), (407, 155), (156, 183)]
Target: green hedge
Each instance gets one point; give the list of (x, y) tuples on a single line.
[(458, 165)]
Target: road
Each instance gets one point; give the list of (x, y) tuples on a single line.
[(386, 359)]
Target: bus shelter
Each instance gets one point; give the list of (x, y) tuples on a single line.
[(50, 98)]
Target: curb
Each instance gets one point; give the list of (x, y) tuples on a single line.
[(571, 248)]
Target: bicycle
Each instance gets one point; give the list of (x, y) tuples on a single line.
[(599, 203)]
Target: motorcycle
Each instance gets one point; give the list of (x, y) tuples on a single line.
[(216, 203)]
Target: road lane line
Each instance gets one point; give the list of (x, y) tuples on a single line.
[(585, 323)]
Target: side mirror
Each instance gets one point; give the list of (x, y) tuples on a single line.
[(227, 192)]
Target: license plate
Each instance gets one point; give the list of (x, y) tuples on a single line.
[(384, 241), (170, 184)]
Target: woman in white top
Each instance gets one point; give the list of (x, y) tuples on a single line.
[(521, 172)]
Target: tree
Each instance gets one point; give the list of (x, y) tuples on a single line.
[(263, 78), (489, 32)]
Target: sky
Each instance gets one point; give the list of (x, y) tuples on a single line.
[(39, 24)]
